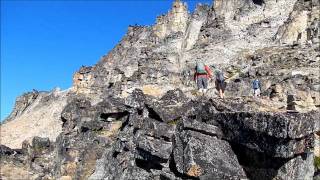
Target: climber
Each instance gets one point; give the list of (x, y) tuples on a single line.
[(256, 86), (220, 82), (201, 76)]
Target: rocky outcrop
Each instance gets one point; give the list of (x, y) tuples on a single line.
[(32, 161), (35, 114), (22, 103), (82, 80), (175, 21), (190, 140), (136, 114), (283, 72), (302, 25), (317, 144), (240, 37)]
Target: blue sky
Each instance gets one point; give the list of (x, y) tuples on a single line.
[(44, 42)]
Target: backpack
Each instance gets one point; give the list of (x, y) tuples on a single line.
[(219, 76), (256, 84), (201, 69)]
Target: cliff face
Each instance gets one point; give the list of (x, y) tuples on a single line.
[(136, 114), (173, 22), (35, 114), (228, 35), (141, 137)]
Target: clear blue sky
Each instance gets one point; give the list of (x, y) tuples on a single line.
[(44, 42)]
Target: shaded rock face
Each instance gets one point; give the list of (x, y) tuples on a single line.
[(200, 155), (201, 142), (33, 161), (171, 138)]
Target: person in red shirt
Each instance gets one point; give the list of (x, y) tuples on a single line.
[(201, 76)]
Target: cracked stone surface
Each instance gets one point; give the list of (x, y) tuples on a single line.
[(136, 114)]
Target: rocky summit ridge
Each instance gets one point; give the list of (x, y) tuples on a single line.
[(136, 114)]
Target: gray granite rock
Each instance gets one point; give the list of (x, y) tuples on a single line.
[(137, 114)]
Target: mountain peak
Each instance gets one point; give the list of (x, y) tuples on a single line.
[(174, 21), (138, 113)]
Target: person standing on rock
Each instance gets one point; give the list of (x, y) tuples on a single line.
[(220, 82), (201, 76), (256, 86)]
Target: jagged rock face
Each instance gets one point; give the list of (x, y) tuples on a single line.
[(240, 37), (317, 145), (171, 138), (282, 71), (175, 21), (22, 103), (82, 80), (303, 23), (35, 114), (33, 161), (136, 114)]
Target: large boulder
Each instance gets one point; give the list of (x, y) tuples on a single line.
[(206, 157)]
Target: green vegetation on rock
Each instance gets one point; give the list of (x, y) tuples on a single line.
[(317, 163)]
